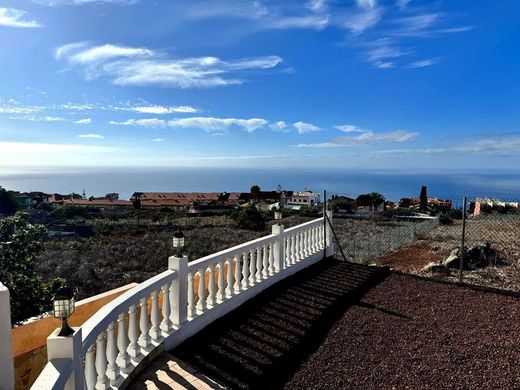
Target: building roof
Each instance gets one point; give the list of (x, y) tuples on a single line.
[(98, 202)]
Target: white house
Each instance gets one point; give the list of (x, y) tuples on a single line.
[(295, 200)]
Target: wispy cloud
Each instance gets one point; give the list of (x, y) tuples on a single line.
[(210, 124), (128, 66), (423, 26), (368, 138), (12, 17), (424, 63), (161, 110), (382, 52), (304, 128), (158, 139), (35, 118), (85, 121), (351, 129), (153, 123), (368, 15), (402, 4), (279, 126), (94, 136)]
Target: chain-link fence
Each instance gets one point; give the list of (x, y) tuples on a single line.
[(427, 238)]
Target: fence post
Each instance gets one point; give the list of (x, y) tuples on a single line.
[(6, 346), (330, 248), (279, 248), (324, 223), (463, 239), (68, 347), (179, 296)]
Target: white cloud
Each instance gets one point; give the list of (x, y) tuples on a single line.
[(161, 110), (62, 51), (304, 128), (94, 136), (18, 109), (158, 139), (351, 129), (317, 22), (86, 121), (219, 125), (279, 126), (402, 4), (129, 66), (12, 17), (317, 5), (368, 138), (150, 123), (424, 63), (383, 50), (368, 15), (35, 118), (423, 25)]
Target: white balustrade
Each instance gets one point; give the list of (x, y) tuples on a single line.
[(118, 337)]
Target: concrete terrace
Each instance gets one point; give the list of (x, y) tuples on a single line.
[(338, 325)]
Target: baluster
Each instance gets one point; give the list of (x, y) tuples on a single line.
[(211, 286), (191, 296), (133, 333), (155, 331), (288, 254), (306, 242), (271, 258), (90, 368), (229, 279), (237, 285), (201, 304), (265, 268), (123, 359), (144, 324), (172, 300), (166, 323), (252, 267), (315, 239), (302, 245), (294, 246), (101, 362), (245, 271), (112, 367), (259, 264), (222, 279)]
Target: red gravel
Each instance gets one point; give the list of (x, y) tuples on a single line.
[(345, 326)]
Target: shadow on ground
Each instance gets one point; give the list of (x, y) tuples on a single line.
[(262, 343)]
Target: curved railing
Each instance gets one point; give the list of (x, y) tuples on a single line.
[(174, 305)]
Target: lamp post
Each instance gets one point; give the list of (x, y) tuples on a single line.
[(277, 217), (178, 242), (64, 306)]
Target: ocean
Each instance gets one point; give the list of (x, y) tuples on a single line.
[(393, 185)]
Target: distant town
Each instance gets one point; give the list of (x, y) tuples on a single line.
[(212, 203)]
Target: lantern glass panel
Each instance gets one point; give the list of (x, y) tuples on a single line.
[(63, 308), (178, 242)]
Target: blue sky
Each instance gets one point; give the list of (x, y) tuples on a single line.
[(395, 84)]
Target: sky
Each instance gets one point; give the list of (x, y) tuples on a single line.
[(427, 85)]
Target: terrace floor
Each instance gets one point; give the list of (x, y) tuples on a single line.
[(338, 325)]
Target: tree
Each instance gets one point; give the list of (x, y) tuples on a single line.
[(372, 199), (423, 199), (8, 204), (249, 218), (255, 192), (20, 244)]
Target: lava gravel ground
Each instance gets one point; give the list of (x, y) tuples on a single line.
[(339, 325)]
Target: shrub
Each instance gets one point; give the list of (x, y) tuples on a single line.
[(249, 218)]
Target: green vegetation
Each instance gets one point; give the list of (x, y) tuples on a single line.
[(249, 218), (8, 204), (20, 244)]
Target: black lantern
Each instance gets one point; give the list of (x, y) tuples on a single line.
[(178, 242), (63, 302)]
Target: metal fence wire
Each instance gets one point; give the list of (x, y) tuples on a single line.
[(432, 241)]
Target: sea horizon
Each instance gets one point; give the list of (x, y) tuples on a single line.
[(393, 184)]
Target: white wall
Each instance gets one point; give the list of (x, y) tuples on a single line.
[(6, 346)]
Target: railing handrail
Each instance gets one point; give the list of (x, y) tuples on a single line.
[(230, 251), (108, 313), (304, 225)]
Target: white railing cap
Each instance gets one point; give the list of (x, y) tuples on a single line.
[(108, 313), (304, 225)]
